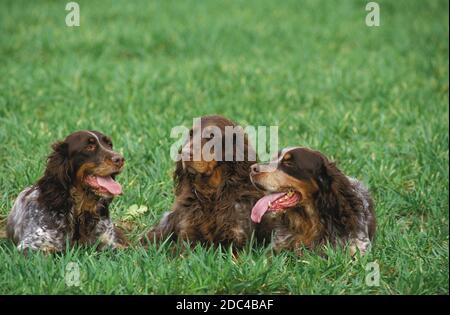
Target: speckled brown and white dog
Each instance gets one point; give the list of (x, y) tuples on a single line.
[(310, 202), (69, 204)]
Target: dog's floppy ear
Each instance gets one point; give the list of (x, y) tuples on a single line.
[(242, 150), (336, 198), (326, 200), (324, 178), (180, 174), (54, 186), (58, 164)]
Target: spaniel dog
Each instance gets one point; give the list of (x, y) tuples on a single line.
[(310, 202), (70, 202), (213, 194)]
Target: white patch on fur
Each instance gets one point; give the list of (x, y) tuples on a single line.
[(362, 245), (29, 225), (164, 220), (361, 190)]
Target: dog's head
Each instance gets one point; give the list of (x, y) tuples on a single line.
[(85, 160), (293, 178), (215, 150)]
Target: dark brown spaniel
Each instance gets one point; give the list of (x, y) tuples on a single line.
[(70, 202), (310, 202), (213, 194)]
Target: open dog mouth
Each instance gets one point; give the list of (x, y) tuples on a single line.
[(104, 185), (278, 201)]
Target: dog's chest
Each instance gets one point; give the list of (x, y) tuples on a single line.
[(83, 225), (233, 224)]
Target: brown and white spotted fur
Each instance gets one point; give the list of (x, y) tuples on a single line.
[(67, 205), (328, 207)]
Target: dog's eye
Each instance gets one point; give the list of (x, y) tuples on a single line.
[(90, 147), (287, 157)]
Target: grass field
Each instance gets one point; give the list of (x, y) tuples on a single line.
[(374, 99)]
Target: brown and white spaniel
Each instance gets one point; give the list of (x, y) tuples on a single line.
[(69, 204), (310, 202)]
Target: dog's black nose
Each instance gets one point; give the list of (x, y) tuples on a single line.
[(254, 168), (118, 160)]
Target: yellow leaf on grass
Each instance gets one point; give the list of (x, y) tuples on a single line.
[(135, 211)]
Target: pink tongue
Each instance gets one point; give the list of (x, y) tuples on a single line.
[(262, 205), (109, 184)]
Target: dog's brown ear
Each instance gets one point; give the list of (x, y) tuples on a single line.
[(324, 177), (58, 164), (243, 150), (243, 157), (55, 184), (178, 177)]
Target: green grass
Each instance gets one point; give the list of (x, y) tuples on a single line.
[(374, 99)]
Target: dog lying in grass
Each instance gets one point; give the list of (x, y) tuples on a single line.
[(310, 202), (69, 204), (213, 196)]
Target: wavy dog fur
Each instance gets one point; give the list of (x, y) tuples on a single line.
[(333, 207), (213, 200), (61, 208)]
